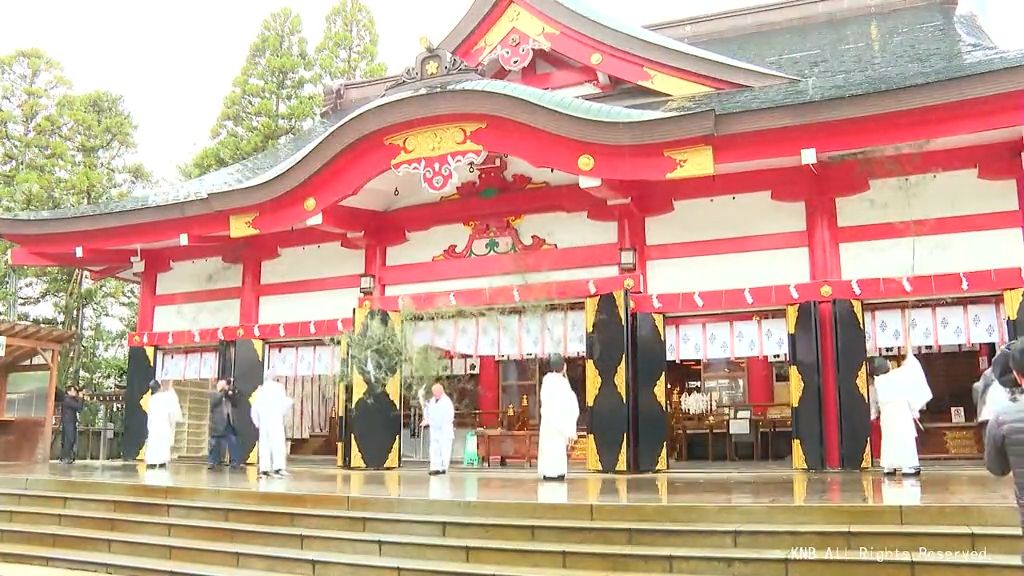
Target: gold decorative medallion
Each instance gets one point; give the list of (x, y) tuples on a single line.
[(585, 162), (436, 140), (671, 85), (596, 58), (692, 162), (136, 339), (240, 332), (858, 311), (862, 381), (1011, 302), (796, 386), (240, 225), (432, 67), (628, 284), (799, 460), (826, 291), (515, 17), (309, 204)]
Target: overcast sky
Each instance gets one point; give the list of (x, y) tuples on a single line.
[(174, 61)]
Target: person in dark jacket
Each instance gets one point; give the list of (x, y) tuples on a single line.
[(1004, 437), (222, 426), (70, 406)]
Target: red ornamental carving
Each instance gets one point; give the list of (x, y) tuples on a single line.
[(494, 237), (434, 152), (515, 51), (491, 180)]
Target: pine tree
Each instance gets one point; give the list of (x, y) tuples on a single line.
[(271, 98), (348, 50), (62, 150)]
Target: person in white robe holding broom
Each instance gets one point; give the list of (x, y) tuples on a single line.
[(900, 395), (440, 418), (269, 409), (559, 411)]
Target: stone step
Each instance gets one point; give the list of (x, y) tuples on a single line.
[(827, 514), (319, 556), (269, 524), (129, 565)]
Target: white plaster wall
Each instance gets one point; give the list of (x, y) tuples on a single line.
[(321, 305), (423, 246), (568, 230), (506, 280), (309, 262), (194, 275), (926, 196), (726, 217), (939, 254), (196, 315), (724, 271)]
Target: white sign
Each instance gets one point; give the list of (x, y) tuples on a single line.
[(3, 346), (957, 414)]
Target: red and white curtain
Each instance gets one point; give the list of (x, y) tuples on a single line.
[(935, 326), (711, 339), (186, 364), (309, 374), (505, 335)]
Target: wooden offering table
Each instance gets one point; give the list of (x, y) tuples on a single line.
[(507, 445), (949, 441)]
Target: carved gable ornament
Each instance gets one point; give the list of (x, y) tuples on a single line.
[(435, 152), (514, 38), (494, 237)]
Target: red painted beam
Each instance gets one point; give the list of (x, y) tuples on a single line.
[(312, 285), (314, 330), (147, 298), (737, 245), (211, 295), (108, 272)]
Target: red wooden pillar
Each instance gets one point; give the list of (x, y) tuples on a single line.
[(1020, 200), (374, 259), (147, 298), (823, 248), (760, 382), (249, 306), (489, 396)]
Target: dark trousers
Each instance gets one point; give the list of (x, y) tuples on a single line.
[(217, 444), (68, 443)]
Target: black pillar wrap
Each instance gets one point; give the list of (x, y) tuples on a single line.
[(608, 421), (248, 375), (805, 386), (852, 384), (648, 393), (141, 370), (375, 427)]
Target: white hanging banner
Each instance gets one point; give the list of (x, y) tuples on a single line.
[(304, 361), (508, 335), (531, 335), (888, 327), (746, 339), (193, 365), (286, 362), (208, 365), (554, 332), (983, 323), (774, 337), (324, 360), (172, 366), (487, 336), (422, 333), (951, 328), (869, 332), (691, 341), (465, 336), (922, 327), (576, 333), (444, 334), (718, 340), (671, 343)]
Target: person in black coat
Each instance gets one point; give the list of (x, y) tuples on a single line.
[(222, 426), (1004, 437), (71, 405)]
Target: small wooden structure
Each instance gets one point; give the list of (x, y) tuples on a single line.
[(29, 357)]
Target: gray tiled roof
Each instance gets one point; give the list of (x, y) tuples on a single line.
[(836, 59), (853, 56)]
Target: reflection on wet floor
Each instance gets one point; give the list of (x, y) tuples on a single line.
[(944, 486)]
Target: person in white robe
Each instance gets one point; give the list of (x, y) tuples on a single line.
[(269, 408), (900, 395), (559, 411), (439, 416), (163, 415)]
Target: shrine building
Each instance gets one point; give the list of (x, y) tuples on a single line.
[(717, 220)]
